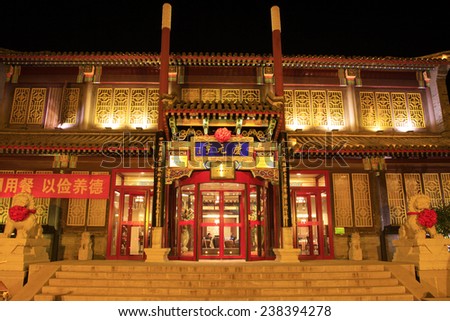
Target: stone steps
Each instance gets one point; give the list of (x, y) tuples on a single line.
[(222, 281)]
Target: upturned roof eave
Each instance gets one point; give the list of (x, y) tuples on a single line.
[(126, 59)]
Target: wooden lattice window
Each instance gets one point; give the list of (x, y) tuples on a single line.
[(352, 203), (28, 106), (127, 106), (70, 104), (306, 108), (87, 212), (391, 109), (5, 202)]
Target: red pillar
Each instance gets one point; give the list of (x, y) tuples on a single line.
[(276, 48), (277, 56), (164, 61)]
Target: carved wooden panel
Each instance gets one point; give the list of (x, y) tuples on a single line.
[(399, 109), (5, 202), (76, 212), (445, 179), (361, 200), (319, 107), (70, 105), (432, 188), (384, 109), (20, 106), (36, 107), (97, 211), (342, 200), (211, 94), (335, 108), (416, 110), (251, 95), (396, 198), (231, 95), (190, 94), (289, 110), (137, 106), (413, 184), (42, 204), (302, 107), (368, 110), (103, 106), (120, 106), (152, 106)]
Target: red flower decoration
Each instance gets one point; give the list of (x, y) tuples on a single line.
[(427, 218), (222, 135), (19, 213)]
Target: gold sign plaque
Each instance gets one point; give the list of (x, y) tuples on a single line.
[(222, 170)]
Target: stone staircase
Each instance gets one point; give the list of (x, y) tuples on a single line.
[(222, 281)]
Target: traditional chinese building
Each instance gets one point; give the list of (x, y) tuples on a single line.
[(211, 156)]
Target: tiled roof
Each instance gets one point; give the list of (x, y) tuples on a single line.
[(235, 108), (396, 146), (80, 143), (214, 59)]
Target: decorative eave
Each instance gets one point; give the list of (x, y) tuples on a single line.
[(126, 59), (77, 143), (345, 145), (236, 116)]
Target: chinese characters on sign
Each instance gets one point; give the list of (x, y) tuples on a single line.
[(221, 149), (55, 185)]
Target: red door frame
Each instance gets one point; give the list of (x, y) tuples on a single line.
[(317, 191), (204, 177), (147, 191), (222, 226)]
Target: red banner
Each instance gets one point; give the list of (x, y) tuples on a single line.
[(55, 185)]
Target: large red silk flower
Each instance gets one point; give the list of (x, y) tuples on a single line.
[(427, 218), (19, 213), (222, 135)]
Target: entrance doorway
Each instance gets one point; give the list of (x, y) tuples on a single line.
[(221, 219), (311, 212), (130, 215), (221, 223)]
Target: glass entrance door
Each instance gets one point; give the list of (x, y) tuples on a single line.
[(221, 224), (312, 223), (132, 225)]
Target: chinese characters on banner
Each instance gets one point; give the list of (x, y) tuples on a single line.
[(55, 185)]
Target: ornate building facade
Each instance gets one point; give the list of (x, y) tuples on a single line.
[(222, 156)]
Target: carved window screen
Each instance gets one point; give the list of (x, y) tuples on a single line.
[(391, 109), (5, 202), (342, 200), (361, 200), (71, 100), (127, 106), (28, 106), (445, 179), (396, 198), (97, 211), (313, 108), (76, 213)]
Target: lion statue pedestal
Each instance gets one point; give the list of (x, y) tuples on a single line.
[(29, 246), (430, 256)]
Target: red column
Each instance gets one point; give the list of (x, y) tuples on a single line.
[(277, 56), (164, 61), (276, 48)]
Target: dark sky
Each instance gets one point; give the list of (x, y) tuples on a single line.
[(318, 27)]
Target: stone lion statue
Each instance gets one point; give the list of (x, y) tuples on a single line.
[(22, 218), (412, 229)]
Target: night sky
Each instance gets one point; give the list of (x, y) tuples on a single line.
[(360, 28)]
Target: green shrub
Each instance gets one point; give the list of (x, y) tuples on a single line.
[(443, 219)]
